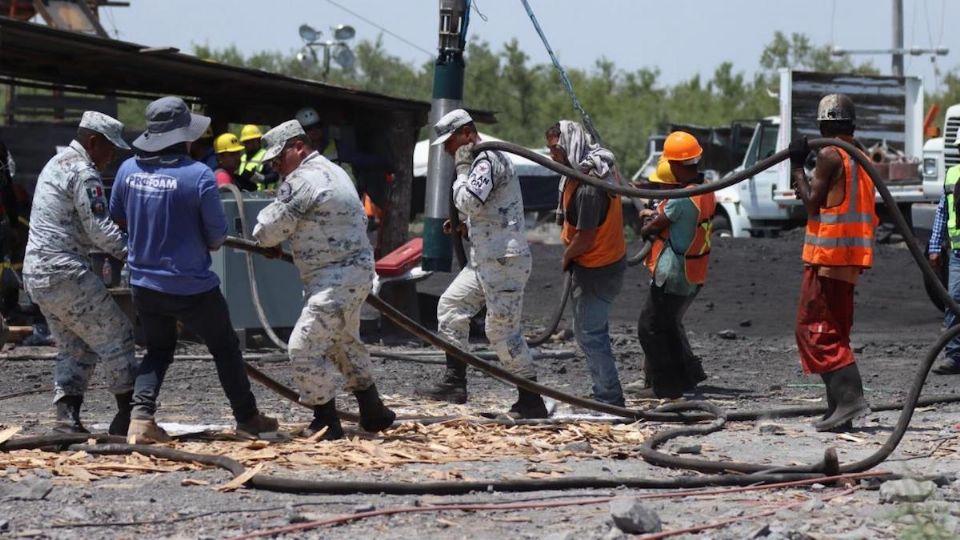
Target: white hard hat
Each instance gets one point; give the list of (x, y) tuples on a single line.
[(308, 117)]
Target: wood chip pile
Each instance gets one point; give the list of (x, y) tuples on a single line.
[(545, 448)]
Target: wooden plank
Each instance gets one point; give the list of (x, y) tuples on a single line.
[(6, 434), (239, 481)]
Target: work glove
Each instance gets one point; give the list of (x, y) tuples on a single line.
[(463, 159), (449, 230), (799, 150)]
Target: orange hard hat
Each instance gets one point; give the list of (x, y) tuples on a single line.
[(663, 174), (682, 146)]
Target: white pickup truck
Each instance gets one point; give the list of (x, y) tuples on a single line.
[(939, 154), (889, 113)]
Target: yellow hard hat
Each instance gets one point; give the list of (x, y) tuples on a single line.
[(250, 132), (663, 174), (227, 143)]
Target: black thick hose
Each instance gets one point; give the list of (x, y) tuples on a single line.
[(649, 448), (336, 487), (554, 322), (251, 270), (899, 221), (733, 178), (634, 260)]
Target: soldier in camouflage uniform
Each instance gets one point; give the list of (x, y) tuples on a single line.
[(68, 220), (487, 191), (317, 209)]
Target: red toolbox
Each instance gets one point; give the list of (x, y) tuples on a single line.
[(401, 260)]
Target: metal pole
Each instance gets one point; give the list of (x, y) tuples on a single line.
[(897, 64), (447, 96)]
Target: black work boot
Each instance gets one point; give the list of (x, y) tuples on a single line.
[(452, 388), (374, 415), (68, 415), (528, 405), (831, 401), (121, 421), (693, 369), (847, 389), (325, 416)]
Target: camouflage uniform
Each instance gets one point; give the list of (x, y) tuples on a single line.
[(318, 210), (499, 262), (68, 220)]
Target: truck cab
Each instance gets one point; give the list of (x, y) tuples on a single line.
[(939, 154), (749, 206)]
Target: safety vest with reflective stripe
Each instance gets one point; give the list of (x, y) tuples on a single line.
[(608, 246), (255, 165), (842, 235), (697, 255), (953, 229)]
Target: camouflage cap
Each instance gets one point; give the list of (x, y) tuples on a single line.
[(109, 127), (274, 139), (450, 122)]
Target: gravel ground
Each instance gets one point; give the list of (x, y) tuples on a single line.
[(751, 291)]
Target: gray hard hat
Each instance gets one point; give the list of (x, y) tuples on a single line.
[(836, 107)]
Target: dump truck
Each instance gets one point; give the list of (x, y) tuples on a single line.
[(889, 127)]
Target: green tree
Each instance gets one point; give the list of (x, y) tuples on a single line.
[(797, 52), (626, 107)]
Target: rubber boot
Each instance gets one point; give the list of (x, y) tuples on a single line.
[(68, 415), (831, 402), (120, 424), (528, 405), (452, 388), (374, 415), (847, 389), (325, 416), (693, 369)]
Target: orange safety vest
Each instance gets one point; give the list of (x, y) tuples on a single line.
[(842, 235), (697, 255), (609, 246)]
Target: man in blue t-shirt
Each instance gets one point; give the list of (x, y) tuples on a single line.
[(171, 208)]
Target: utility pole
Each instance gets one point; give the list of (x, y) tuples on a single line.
[(447, 96), (897, 65), (897, 51)]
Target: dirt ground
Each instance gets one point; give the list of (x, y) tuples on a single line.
[(751, 291)]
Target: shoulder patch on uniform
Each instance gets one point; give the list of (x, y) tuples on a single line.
[(480, 181), (98, 203), (284, 192)]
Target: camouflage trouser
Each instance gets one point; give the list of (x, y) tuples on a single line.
[(326, 339), (87, 324), (500, 283)]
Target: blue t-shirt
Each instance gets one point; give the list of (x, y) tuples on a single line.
[(174, 216)]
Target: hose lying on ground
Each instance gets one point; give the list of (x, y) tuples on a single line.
[(506, 376), (755, 471)]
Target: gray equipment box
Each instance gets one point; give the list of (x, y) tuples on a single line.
[(278, 282)]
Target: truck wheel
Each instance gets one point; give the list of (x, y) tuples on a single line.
[(721, 226), (942, 272)]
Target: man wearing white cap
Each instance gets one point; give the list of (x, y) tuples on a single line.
[(171, 209), (317, 209), (68, 220), (487, 191)]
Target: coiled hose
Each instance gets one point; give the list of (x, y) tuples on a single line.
[(675, 412)]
